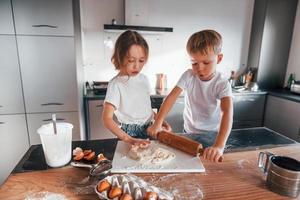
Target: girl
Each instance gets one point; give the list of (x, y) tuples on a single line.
[(128, 93)]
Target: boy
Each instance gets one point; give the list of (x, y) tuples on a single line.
[(208, 101)]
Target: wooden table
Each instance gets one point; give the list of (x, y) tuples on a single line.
[(238, 177)]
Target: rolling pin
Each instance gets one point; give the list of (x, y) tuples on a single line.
[(181, 143)]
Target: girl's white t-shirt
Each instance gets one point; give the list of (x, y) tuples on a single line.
[(131, 98), (202, 110)]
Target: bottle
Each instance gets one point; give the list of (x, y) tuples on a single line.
[(249, 76), (161, 81), (232, 79), (291, 79), (113, 22)]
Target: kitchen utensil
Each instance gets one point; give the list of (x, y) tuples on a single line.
[(101, 168), (283, 173), (182, 143), (100, 87), (57, 147), (295, 87), (54, 123)]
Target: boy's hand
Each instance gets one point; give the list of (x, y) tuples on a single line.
[(213, 153), (153, 130), (166, 126), (137, 142)]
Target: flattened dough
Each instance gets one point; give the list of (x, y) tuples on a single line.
[(151, 155)]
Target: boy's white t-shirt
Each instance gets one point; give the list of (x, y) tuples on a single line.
[(131, 98), (202, 110)]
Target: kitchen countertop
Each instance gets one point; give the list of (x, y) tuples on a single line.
[(285, 94), (282, 93), (237, 177), (155, 93)]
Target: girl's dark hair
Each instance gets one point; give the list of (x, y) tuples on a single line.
[(203, 41), (123, 44)]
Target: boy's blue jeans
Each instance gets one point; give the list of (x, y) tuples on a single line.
[(136, 130)]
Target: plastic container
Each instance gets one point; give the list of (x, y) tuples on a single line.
[(57, 147), (161, 81)]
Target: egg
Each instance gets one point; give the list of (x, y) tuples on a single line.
[(151, 196), (115, 192), (101, 157), (87, 152), (90, 156), (76, 151), (79, 156), (126, 197), (103, 186)]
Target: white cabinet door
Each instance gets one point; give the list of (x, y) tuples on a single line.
[(6, 19), (175, 116), (98, 131), (11, 98), (49, 73), (283, 116), (43, 17), (137, 12), (35, 121), (13, 143)]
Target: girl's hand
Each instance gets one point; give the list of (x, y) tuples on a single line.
[(166, 126), (137, 142), (153, 130), (213, 153)]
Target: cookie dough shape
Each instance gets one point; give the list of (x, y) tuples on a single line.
[(151, 155)]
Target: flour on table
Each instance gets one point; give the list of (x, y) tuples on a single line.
[(151, 155), (45, 195)]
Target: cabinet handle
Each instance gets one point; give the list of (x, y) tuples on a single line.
[(52, 104), (240, 100), (57, 119), (44, 25), (2, 122), (98, 106)]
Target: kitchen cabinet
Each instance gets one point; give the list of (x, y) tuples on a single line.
[(49, 73), (6, 19), (13, 144), (97, 129), (282, 115), (248, 110), (137, 12), (35, 121), (43, 17), (175, 116), (11, 98)]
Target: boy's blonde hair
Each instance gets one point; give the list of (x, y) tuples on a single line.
[(203, 41), (123, 44)]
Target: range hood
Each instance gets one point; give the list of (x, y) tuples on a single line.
[(115, 28), (136, 18)]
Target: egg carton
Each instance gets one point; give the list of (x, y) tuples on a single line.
[(133, 185)]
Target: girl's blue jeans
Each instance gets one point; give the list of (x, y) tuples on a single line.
[(136, 130)]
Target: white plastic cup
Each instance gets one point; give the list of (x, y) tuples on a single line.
[(57, 147)]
